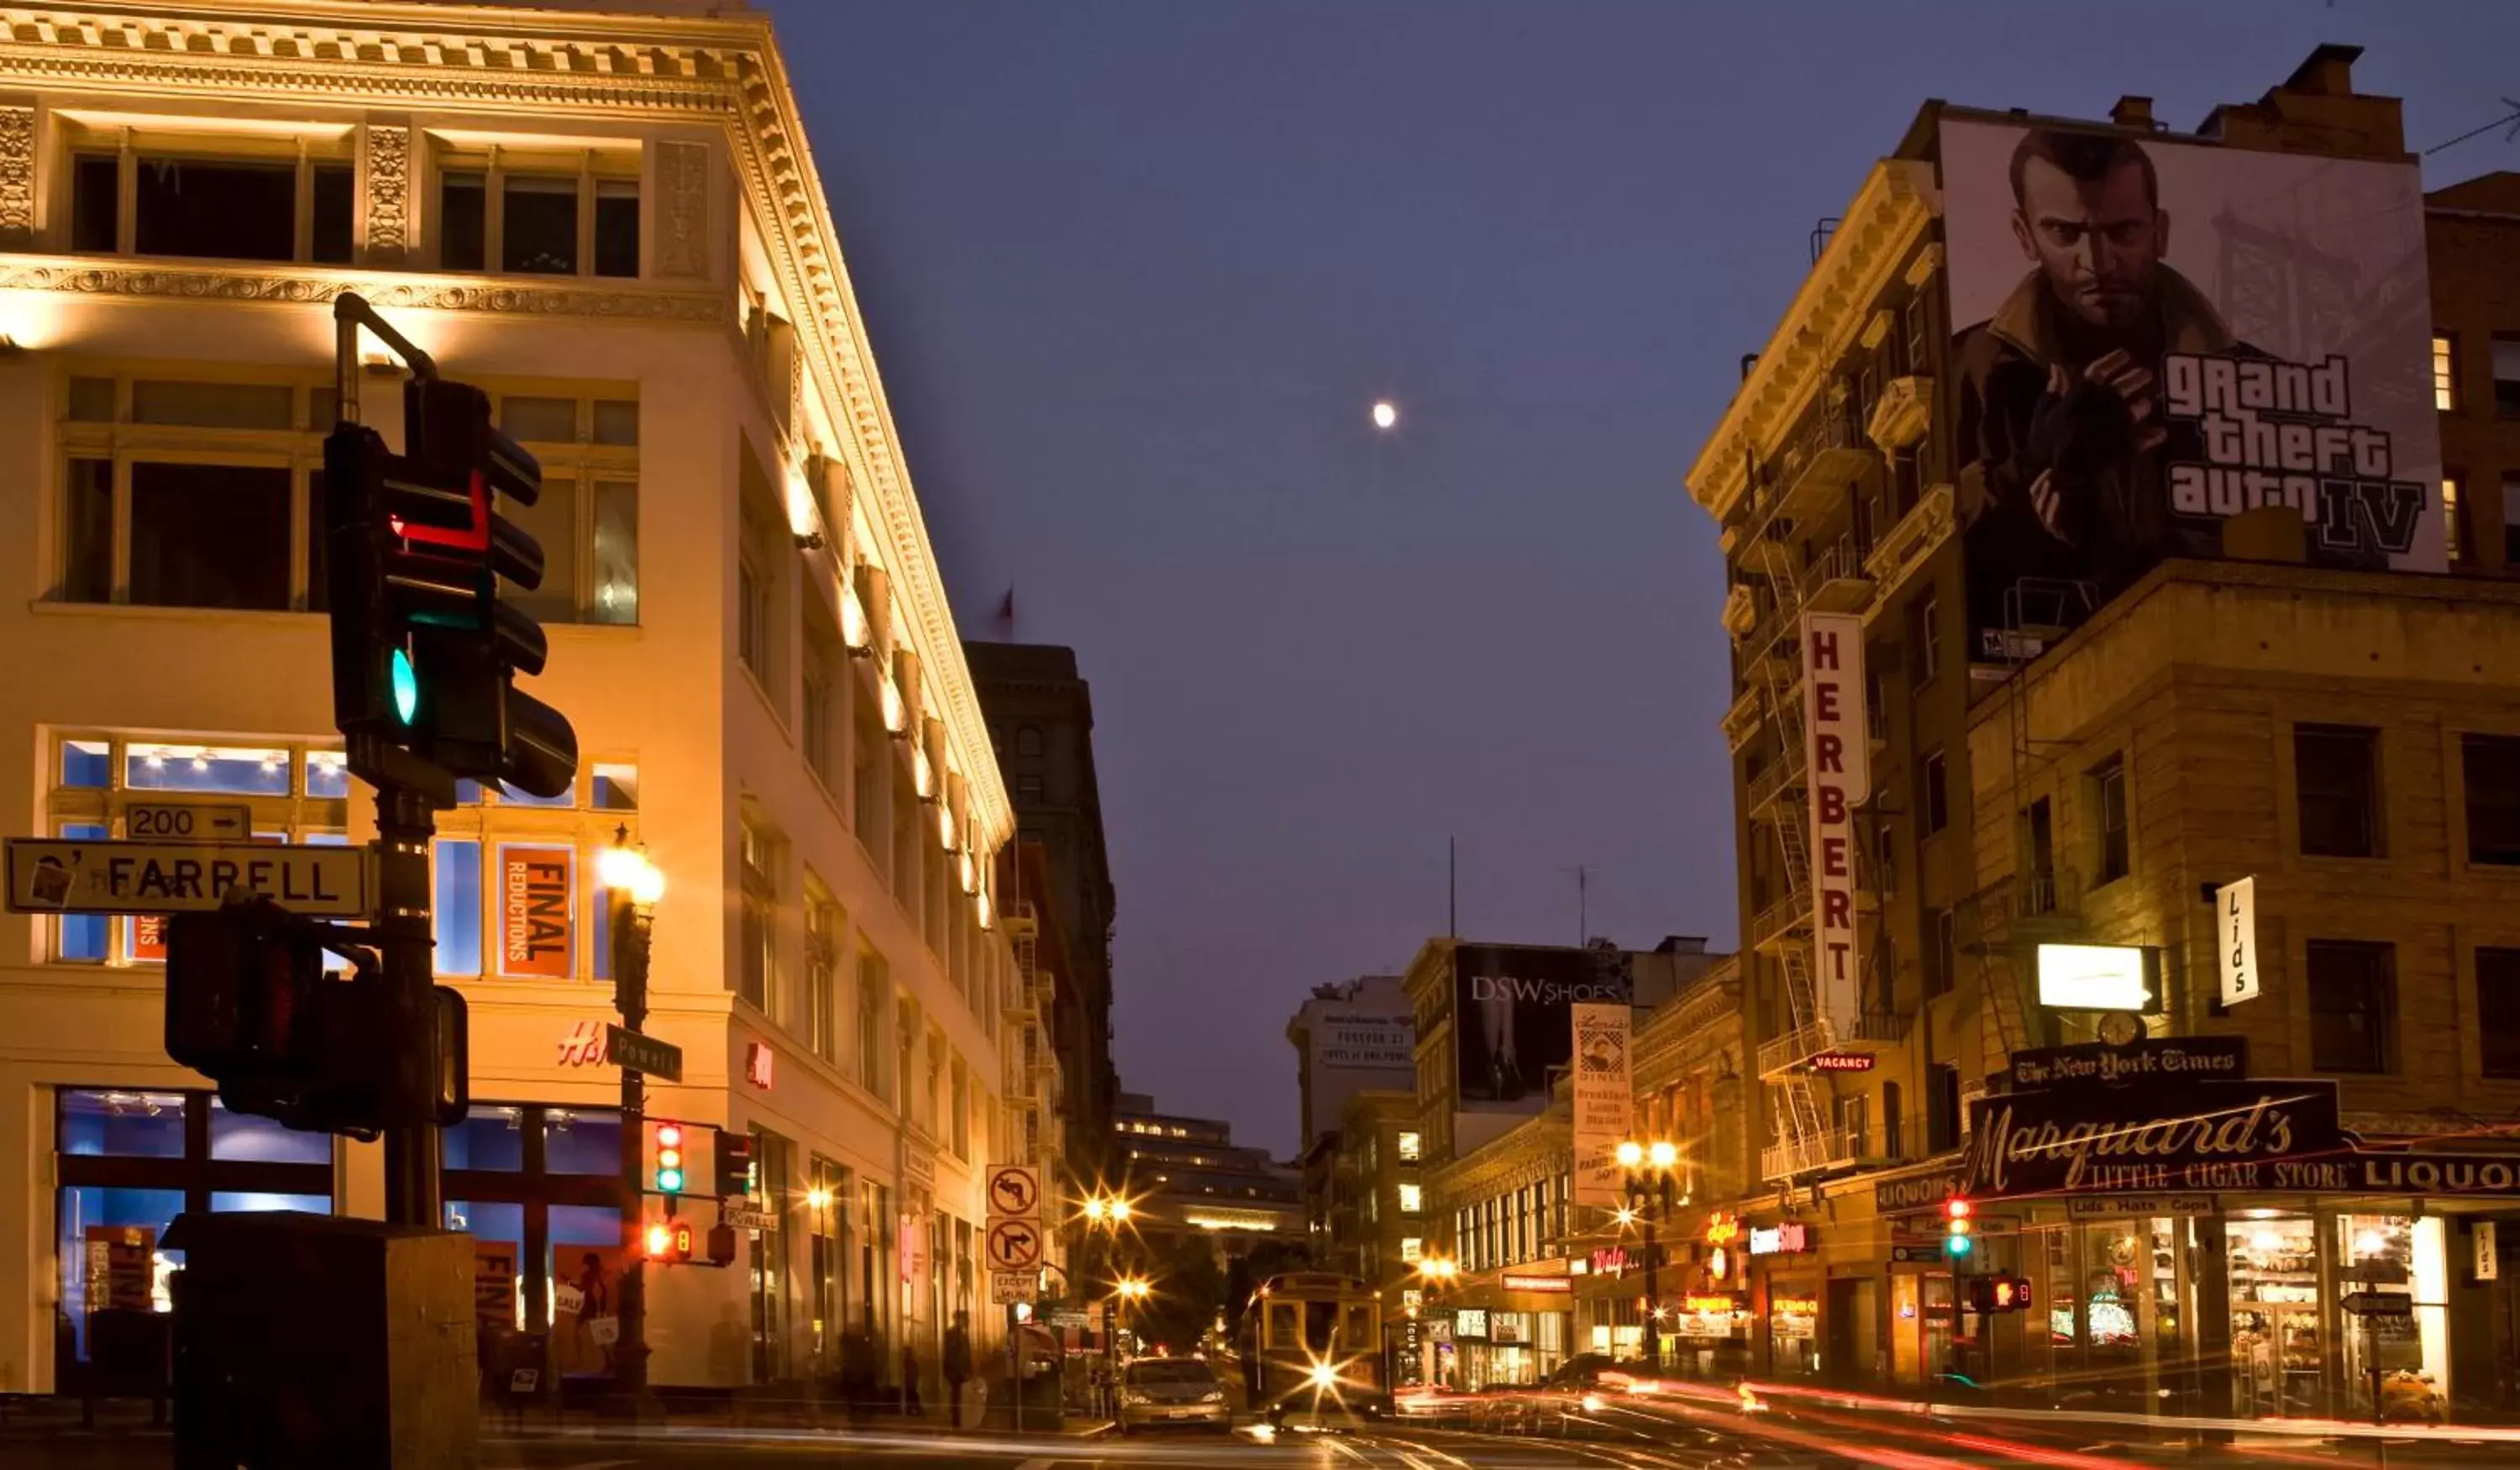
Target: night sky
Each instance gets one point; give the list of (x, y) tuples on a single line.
[(1136, 273)]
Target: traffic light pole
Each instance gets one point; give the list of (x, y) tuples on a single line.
[(630, 938), (415, 1150)]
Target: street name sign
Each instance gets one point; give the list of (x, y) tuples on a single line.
[(187, 820), (637, 1052), (1917, 1255), (1008, 1287), (1013, 1245), (743, 1217), (52, 875)]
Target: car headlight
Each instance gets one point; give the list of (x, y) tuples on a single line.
[(1212, 1396), (1132, 1396)]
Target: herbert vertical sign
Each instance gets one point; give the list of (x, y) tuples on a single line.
[(1837, 766), (1602, 1101), (2235, 919)]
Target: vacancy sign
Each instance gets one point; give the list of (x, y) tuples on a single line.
[(2235, 919), (1837, 765)]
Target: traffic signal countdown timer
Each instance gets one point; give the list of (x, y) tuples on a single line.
[(1957, 1223)]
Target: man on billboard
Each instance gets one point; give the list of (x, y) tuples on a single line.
[(2060, 426)]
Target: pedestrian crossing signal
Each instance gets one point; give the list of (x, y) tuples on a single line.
[(1999, 1293)]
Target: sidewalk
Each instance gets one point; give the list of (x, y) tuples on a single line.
[(35, 1417)]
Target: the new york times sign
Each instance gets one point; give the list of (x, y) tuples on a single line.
[(2273, 1134)]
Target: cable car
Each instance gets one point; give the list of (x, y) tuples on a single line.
[(1311, 1345)]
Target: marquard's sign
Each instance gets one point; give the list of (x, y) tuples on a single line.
[(2200, 1136), (2194, 1136)]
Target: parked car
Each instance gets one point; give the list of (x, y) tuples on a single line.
[(1173, 1392), (1434, 1401)]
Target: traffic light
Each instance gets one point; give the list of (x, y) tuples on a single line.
[(1999, 1293), (669, 1241), (250, 1007), (734, 1164), (669, 1169), (425, 648), (1957, 1224)]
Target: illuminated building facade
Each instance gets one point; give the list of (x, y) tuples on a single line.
[(612, 223), (2076, 742)]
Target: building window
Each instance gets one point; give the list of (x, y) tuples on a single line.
[(2109, 819), (757, 957), (1943, 1109), (127, 1163), (2506, 377), (1410, 1197), (2445, 373), (875, 993), (2497, 1010), (1028, 741), (823, 926), (2510, 519), (1027, 790), (1941, 952), (557, 215), (232, 205), (2353, 1006), (1930, 650), (1930, 795), (1408, 1146), (2336, 769), (2490, 769), (587, 518), (2454, 522), (1920, 320), (1413, 1248)]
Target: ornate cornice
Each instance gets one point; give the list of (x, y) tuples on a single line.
[(300, 284), (723, 72), (1889, 214)]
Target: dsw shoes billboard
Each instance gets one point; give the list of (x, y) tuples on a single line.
[(1513, 1009), (2156, 337)]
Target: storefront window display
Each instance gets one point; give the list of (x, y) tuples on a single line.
[(1793, 1328), (2277, 1349), (129, 1161), (523, 1181), (2104, 1289), (2407, 1356)]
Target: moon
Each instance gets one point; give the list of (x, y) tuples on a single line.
[(1386, 415)]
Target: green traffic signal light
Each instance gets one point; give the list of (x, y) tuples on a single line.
[(406, 688), (669, 1181), (1959, 1245)]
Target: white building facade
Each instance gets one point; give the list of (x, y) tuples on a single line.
[(614, 224)]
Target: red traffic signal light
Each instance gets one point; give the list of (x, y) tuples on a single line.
[(1957, 1210), (1999, 1293)]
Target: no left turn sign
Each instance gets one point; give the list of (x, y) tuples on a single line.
[(1015, 1192)]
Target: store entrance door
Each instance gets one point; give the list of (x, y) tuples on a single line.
[(1852, 1354)]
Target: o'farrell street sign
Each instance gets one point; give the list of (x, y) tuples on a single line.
[(637, 1052), (50, 876)]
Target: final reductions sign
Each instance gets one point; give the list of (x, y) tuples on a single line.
[(1512, 1022), (1837, 763), (2175, 1115)]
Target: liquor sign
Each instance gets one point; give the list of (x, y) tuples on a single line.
[(1791, 1238), (1603, 1101), (1837, 765), (537, 911), (1917, 1194)]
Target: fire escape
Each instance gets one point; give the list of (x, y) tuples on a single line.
[(1032, 1080)]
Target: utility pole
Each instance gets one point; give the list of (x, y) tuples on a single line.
[(1583, 910), (634, 885)]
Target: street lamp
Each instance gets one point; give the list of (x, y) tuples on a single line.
[(1649, 1168), (633, 886)]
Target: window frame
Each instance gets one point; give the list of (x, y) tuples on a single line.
[(2470, 742), (2445, 370), (589, 167), (2380, 1002), (586, 465), (2373, 798), (298, 816), (2113, 845), (2508, 1053), (1933, 778), (182, 139), (2506, 405), (490, 821)]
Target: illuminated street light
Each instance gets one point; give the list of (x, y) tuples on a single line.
[(1386, 415), (1630, 1154), (1095, 1208), (1663, 1155)]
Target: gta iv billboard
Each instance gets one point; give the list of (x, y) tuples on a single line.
[(2155, 336)]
